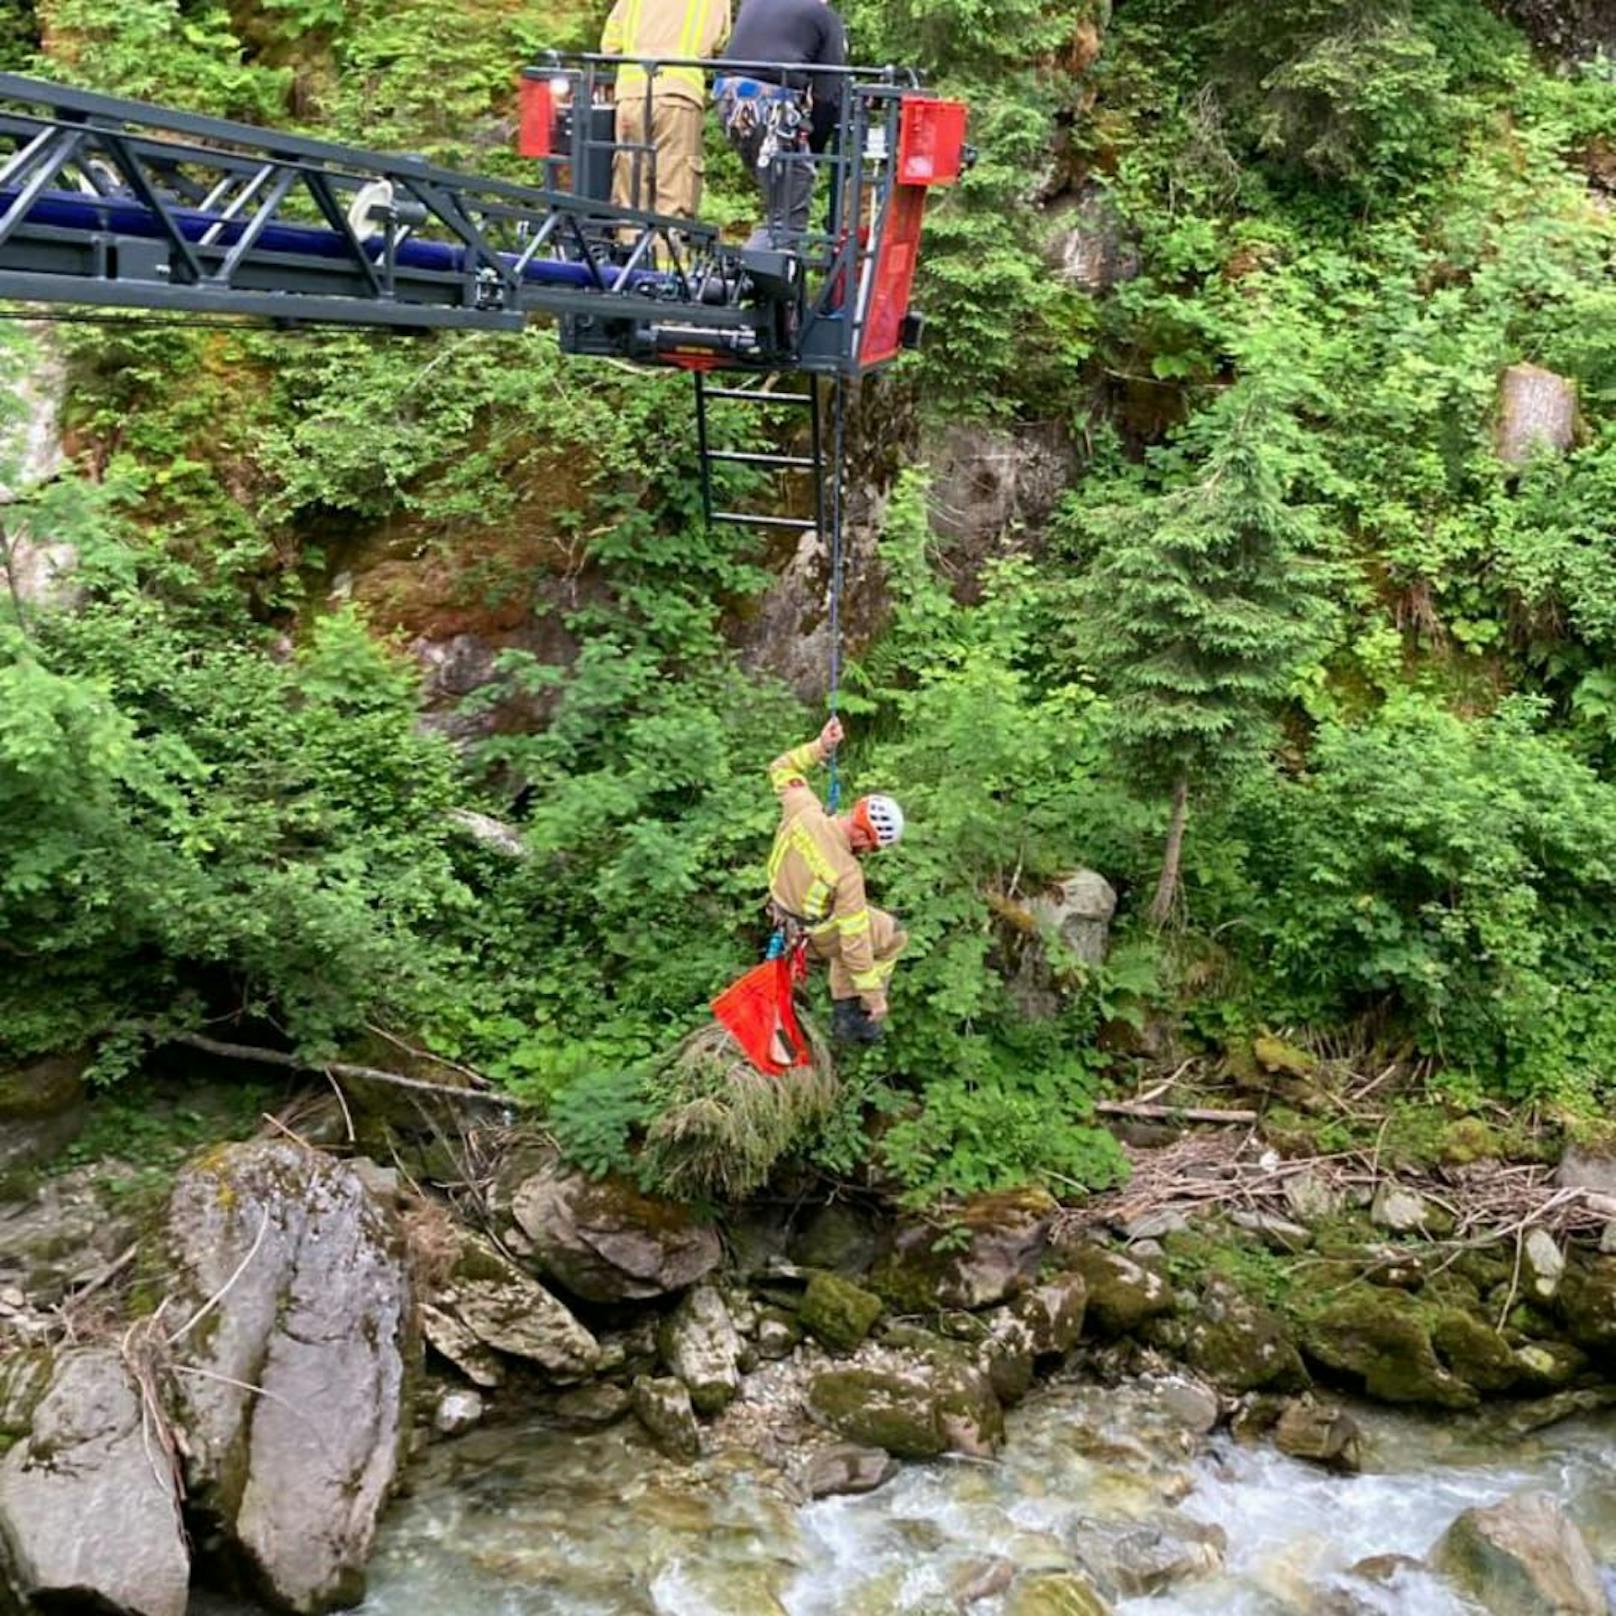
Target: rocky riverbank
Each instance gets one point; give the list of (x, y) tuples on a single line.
[(227, 1387)]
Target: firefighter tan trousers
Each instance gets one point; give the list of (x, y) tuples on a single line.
[(674, 186), (887, 942)]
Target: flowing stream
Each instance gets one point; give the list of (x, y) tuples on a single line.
[(532, 1522)]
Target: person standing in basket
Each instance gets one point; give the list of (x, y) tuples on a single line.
[(776, 116)]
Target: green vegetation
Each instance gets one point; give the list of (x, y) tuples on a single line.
[(1291, 590)]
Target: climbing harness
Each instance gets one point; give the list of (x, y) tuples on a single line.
[(774, 115)]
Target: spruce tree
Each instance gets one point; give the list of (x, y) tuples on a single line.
[(1201, 600)]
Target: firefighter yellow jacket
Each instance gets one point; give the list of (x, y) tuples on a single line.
[(661, 28), (813, 873)]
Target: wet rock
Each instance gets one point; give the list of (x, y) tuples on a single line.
[(1053, 1314), (1321, 1433), (1149, 1559), (1007, 1234), (452, 1340), (838, 1313), (1386, 1568), (1523, 1557), (1187, 1403), (664, 1409), (1077, 908), (1121, 1293), (1240, 1346), (1547, 1366), (1542, 1265), (458, 1411), (1377, 1337), (309, 1330), (845, 1468), (1006, 1351), (506, 1310), (698, 1344), (587, 1408), (917, 1404), (977, 1580), (1055, 1593), (1587, 1305), (1474, 1351), (777, 1333), (837, 1237), (1521, 1419), (604, 1241), (1397, 1208), (88, 1519), (1537, 414)]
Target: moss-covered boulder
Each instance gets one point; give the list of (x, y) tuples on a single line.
[(990, 1250), (836, 1312), (42, 1109), (915, 1395), (1053, 1313), (699, 1345), (664, 1409), (1543, 1367), (1378, 1338), (1241, 1346), (1587, 1305), (1121, 1294), (1474, 1351)]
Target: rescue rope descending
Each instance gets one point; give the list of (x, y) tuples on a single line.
[(833, 795)]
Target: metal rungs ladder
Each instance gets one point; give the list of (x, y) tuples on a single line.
[(813, 463)]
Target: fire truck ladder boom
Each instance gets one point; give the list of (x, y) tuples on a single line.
[(118, 203)]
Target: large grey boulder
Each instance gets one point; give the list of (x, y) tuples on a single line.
[(293, 1327), (698, 1343), (1537, 414), (1091, 247), (604, 1241), (1078, 908), (506, 1310), (1523, 1557), (89, 1514)]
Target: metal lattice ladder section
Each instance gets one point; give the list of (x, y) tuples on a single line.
[(813, 463)]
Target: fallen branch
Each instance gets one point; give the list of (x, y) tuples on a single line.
[(342, 1069), (1169, 1113)]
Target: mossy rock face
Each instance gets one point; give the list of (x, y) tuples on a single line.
[(1121, 1294), (1474, 1351), (924, 1409), (1547, 1366), (838, 1313), (43, 1088), (1240, 1346), (1379, 1338), (1587, 1304), (991, 1251), (839, 1238), (1468, 1140)]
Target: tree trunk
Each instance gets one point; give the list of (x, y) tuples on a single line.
[(1161, 907)]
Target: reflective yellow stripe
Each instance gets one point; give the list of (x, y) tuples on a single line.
[(690, 36), (852, 925), (869, 981), (631, 78)]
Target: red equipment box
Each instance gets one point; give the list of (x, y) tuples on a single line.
[(536, 105), (931, 141)]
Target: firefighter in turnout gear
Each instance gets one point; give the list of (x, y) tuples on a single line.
[(664, 111), (816, 885)]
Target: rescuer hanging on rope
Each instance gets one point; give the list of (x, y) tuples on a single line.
[(817, 887)]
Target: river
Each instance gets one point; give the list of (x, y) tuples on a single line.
[(532, 1522)]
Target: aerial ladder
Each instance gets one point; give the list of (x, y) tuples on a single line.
[(118, 203)]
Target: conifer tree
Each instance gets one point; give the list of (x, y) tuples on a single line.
[(1201, 600)]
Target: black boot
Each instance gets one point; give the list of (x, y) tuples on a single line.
[(850, 1023)]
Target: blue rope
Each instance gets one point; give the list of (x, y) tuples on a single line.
[(833, 797)]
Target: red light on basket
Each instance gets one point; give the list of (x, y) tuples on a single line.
[(931, 141), (536, 108)]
